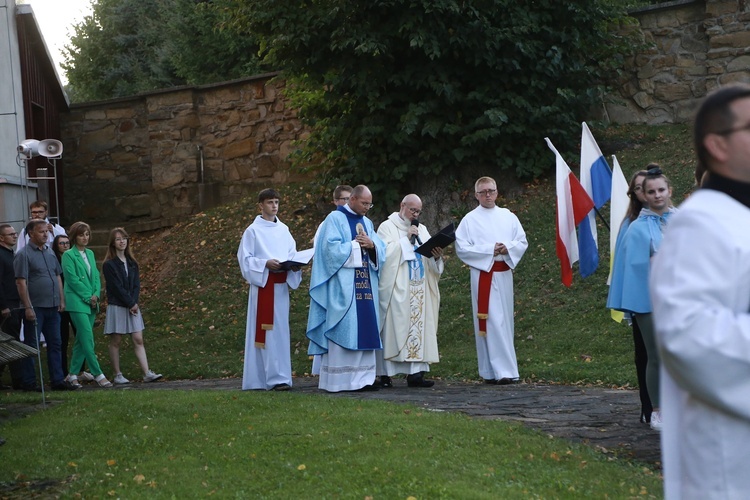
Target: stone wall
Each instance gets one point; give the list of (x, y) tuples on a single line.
[(693, 47), (149, 160)]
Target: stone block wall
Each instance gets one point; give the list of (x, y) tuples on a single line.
[(154, 158), (693, 47)]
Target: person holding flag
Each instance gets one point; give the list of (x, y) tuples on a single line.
[(629, 290), (637, 203)]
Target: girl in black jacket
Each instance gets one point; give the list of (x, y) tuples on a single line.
[(123, 314)]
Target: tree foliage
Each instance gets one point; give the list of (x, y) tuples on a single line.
[(397, 88), (129, 46)]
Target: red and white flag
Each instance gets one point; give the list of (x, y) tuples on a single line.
[(573, 204)]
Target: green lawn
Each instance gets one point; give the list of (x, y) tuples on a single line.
[(234, 444)]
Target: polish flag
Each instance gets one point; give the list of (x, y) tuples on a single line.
[(573, 204)]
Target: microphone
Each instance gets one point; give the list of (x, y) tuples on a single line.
[(414, 237)]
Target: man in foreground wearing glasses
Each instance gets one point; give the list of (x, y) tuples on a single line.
[(343, 323), (11, 312), (491, 241), (700, 289), (38, 210), (409, 298)]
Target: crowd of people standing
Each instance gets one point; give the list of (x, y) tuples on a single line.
[(50, 285)]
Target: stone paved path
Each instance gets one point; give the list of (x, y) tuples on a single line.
[(606, 419)]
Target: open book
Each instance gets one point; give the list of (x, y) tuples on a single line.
[(299, 259), (442, 239)]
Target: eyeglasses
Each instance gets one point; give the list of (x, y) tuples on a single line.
[(733, 130), (36, 212), (64, 243), (368, 206), (342, 199), (487, 192), (120, 240), (14, 235), (415, 211)]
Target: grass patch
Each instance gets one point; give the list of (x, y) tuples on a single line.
[(184, 444)]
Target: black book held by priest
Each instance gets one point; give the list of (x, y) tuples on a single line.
[(442, 239)]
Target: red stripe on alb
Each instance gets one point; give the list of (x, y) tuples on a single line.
[(264, 312), (483, 294)]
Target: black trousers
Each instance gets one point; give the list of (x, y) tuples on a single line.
[(641, 360)]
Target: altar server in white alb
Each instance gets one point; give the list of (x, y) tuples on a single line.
[(409, 298), (266, 244), (700, 289), (491, 241)]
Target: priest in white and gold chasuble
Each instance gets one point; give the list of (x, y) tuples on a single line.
[(409, 295)]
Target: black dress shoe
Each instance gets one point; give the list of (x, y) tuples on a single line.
[(281, 387), (386, 382), (506, 381), (65, 386), (31, 388), (490, 381), (368, 388), (418, 380)]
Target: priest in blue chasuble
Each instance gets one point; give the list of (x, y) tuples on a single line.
[(343, 324)]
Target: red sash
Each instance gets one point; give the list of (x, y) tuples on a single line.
[(264, 311), (483, 294)]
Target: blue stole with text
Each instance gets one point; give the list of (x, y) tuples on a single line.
[(368, 336)]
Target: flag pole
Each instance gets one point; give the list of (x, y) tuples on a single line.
[(602, 218)]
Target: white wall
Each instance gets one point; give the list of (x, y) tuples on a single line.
[(13, 199)]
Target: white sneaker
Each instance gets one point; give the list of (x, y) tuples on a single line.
[(151, 376), (656, 422), (86, 377), (119, 379)]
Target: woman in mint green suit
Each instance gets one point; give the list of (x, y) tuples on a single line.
[(82, 289)]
